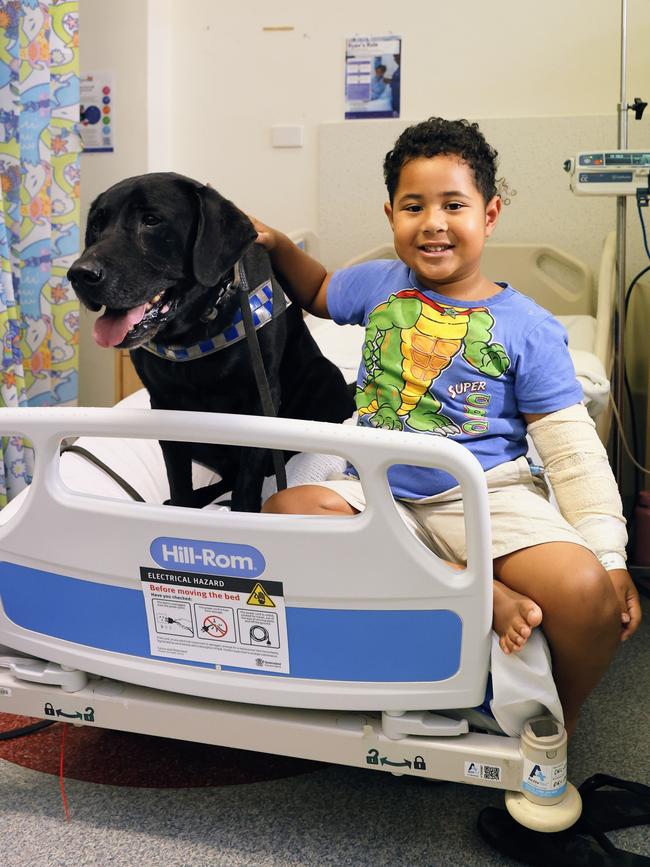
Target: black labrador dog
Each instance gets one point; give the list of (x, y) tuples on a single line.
[(162, 254)]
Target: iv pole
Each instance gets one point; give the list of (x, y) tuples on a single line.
[(621, 236), (638, 106)]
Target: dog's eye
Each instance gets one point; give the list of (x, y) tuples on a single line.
[(151, 220), (95, 220)]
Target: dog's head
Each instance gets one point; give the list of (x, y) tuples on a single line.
[(154, 243)]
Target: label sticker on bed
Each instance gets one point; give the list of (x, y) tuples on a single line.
[(545, 781), (216, 558), (481, 771), (223, 620)]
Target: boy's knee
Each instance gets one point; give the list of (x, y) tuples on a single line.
[(308, 500), (592, 596), (284, 502)]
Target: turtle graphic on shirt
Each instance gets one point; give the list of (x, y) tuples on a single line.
[(410, 339)]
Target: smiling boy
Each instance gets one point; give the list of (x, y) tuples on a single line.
[(448, 352)]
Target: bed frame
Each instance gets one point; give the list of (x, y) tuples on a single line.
[(335, 639)]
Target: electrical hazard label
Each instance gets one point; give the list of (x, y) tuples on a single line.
[(259, 596), (226, 621)]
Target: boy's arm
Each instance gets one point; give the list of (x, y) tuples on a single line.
[(304, 278), (577, 467)]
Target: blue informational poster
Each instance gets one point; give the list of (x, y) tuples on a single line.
[(372, 76), (96, 112)]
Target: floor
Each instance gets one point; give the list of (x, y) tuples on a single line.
[(135, 800)]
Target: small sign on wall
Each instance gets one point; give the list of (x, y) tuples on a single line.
[(96, 112), (372, 76)]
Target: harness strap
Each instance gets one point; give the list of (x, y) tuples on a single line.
[(241, 284)]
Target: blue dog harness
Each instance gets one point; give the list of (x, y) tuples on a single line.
[(261, 304)]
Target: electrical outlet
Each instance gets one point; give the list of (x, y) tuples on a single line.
[(287, 136)]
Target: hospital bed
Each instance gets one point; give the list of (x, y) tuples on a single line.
[(341, 640)]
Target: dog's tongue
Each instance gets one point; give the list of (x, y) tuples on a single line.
[(111, 329)]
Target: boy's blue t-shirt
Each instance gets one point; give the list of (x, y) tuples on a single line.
[(466, 370)]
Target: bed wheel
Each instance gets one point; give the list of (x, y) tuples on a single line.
[(542, 817)]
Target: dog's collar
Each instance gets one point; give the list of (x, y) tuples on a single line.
[(213, 311), (261, 304)]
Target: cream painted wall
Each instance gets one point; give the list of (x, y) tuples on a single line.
[(233, 80), (106, 44), (198, 87)]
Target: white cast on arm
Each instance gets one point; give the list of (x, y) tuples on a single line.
[(578, 470)]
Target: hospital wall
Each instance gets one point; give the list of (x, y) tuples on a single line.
[(198, 87), (113, 37)]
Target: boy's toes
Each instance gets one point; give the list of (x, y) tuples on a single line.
[(533, 615), (517, 639), (514, 618), (511, 641), (523, 624), (523, 631), (515, 636)]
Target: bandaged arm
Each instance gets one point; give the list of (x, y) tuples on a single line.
[(577, 468)]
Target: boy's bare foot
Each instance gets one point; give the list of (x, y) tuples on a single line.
[(514, 617)]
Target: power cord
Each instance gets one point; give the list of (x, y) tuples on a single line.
[(27, 730), (626, 447), (642, 199), (628, 390)]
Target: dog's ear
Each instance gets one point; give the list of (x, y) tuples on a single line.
[(223, 234)]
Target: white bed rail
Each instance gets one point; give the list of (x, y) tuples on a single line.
[(370, 562)]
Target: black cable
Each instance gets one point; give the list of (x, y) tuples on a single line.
[(633, 284), (27, 730), (641, 202), (89, 456), (628, 390), (635, 437), (642, 199)]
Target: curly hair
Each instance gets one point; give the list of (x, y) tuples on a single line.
[(437, 136)]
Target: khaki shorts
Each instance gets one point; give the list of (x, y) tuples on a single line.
[(521, 513)]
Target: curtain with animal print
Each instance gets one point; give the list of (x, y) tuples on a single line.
[(39, 215)]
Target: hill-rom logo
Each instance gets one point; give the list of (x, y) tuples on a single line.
[(214, 558)]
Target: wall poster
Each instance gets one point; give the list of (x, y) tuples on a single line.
[(372, 76), (96, 112)]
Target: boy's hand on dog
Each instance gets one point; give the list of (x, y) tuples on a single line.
[(628, 597), (266, 236)]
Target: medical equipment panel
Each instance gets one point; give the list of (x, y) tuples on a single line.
[(609, 172)]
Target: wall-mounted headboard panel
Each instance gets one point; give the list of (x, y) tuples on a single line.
[(532, 150), (555, 279)]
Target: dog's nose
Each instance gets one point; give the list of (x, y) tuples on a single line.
[(86, 274)]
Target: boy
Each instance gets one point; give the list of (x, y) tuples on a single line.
[(449, 353)]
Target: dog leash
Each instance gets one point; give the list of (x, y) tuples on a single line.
[(240, 283)]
